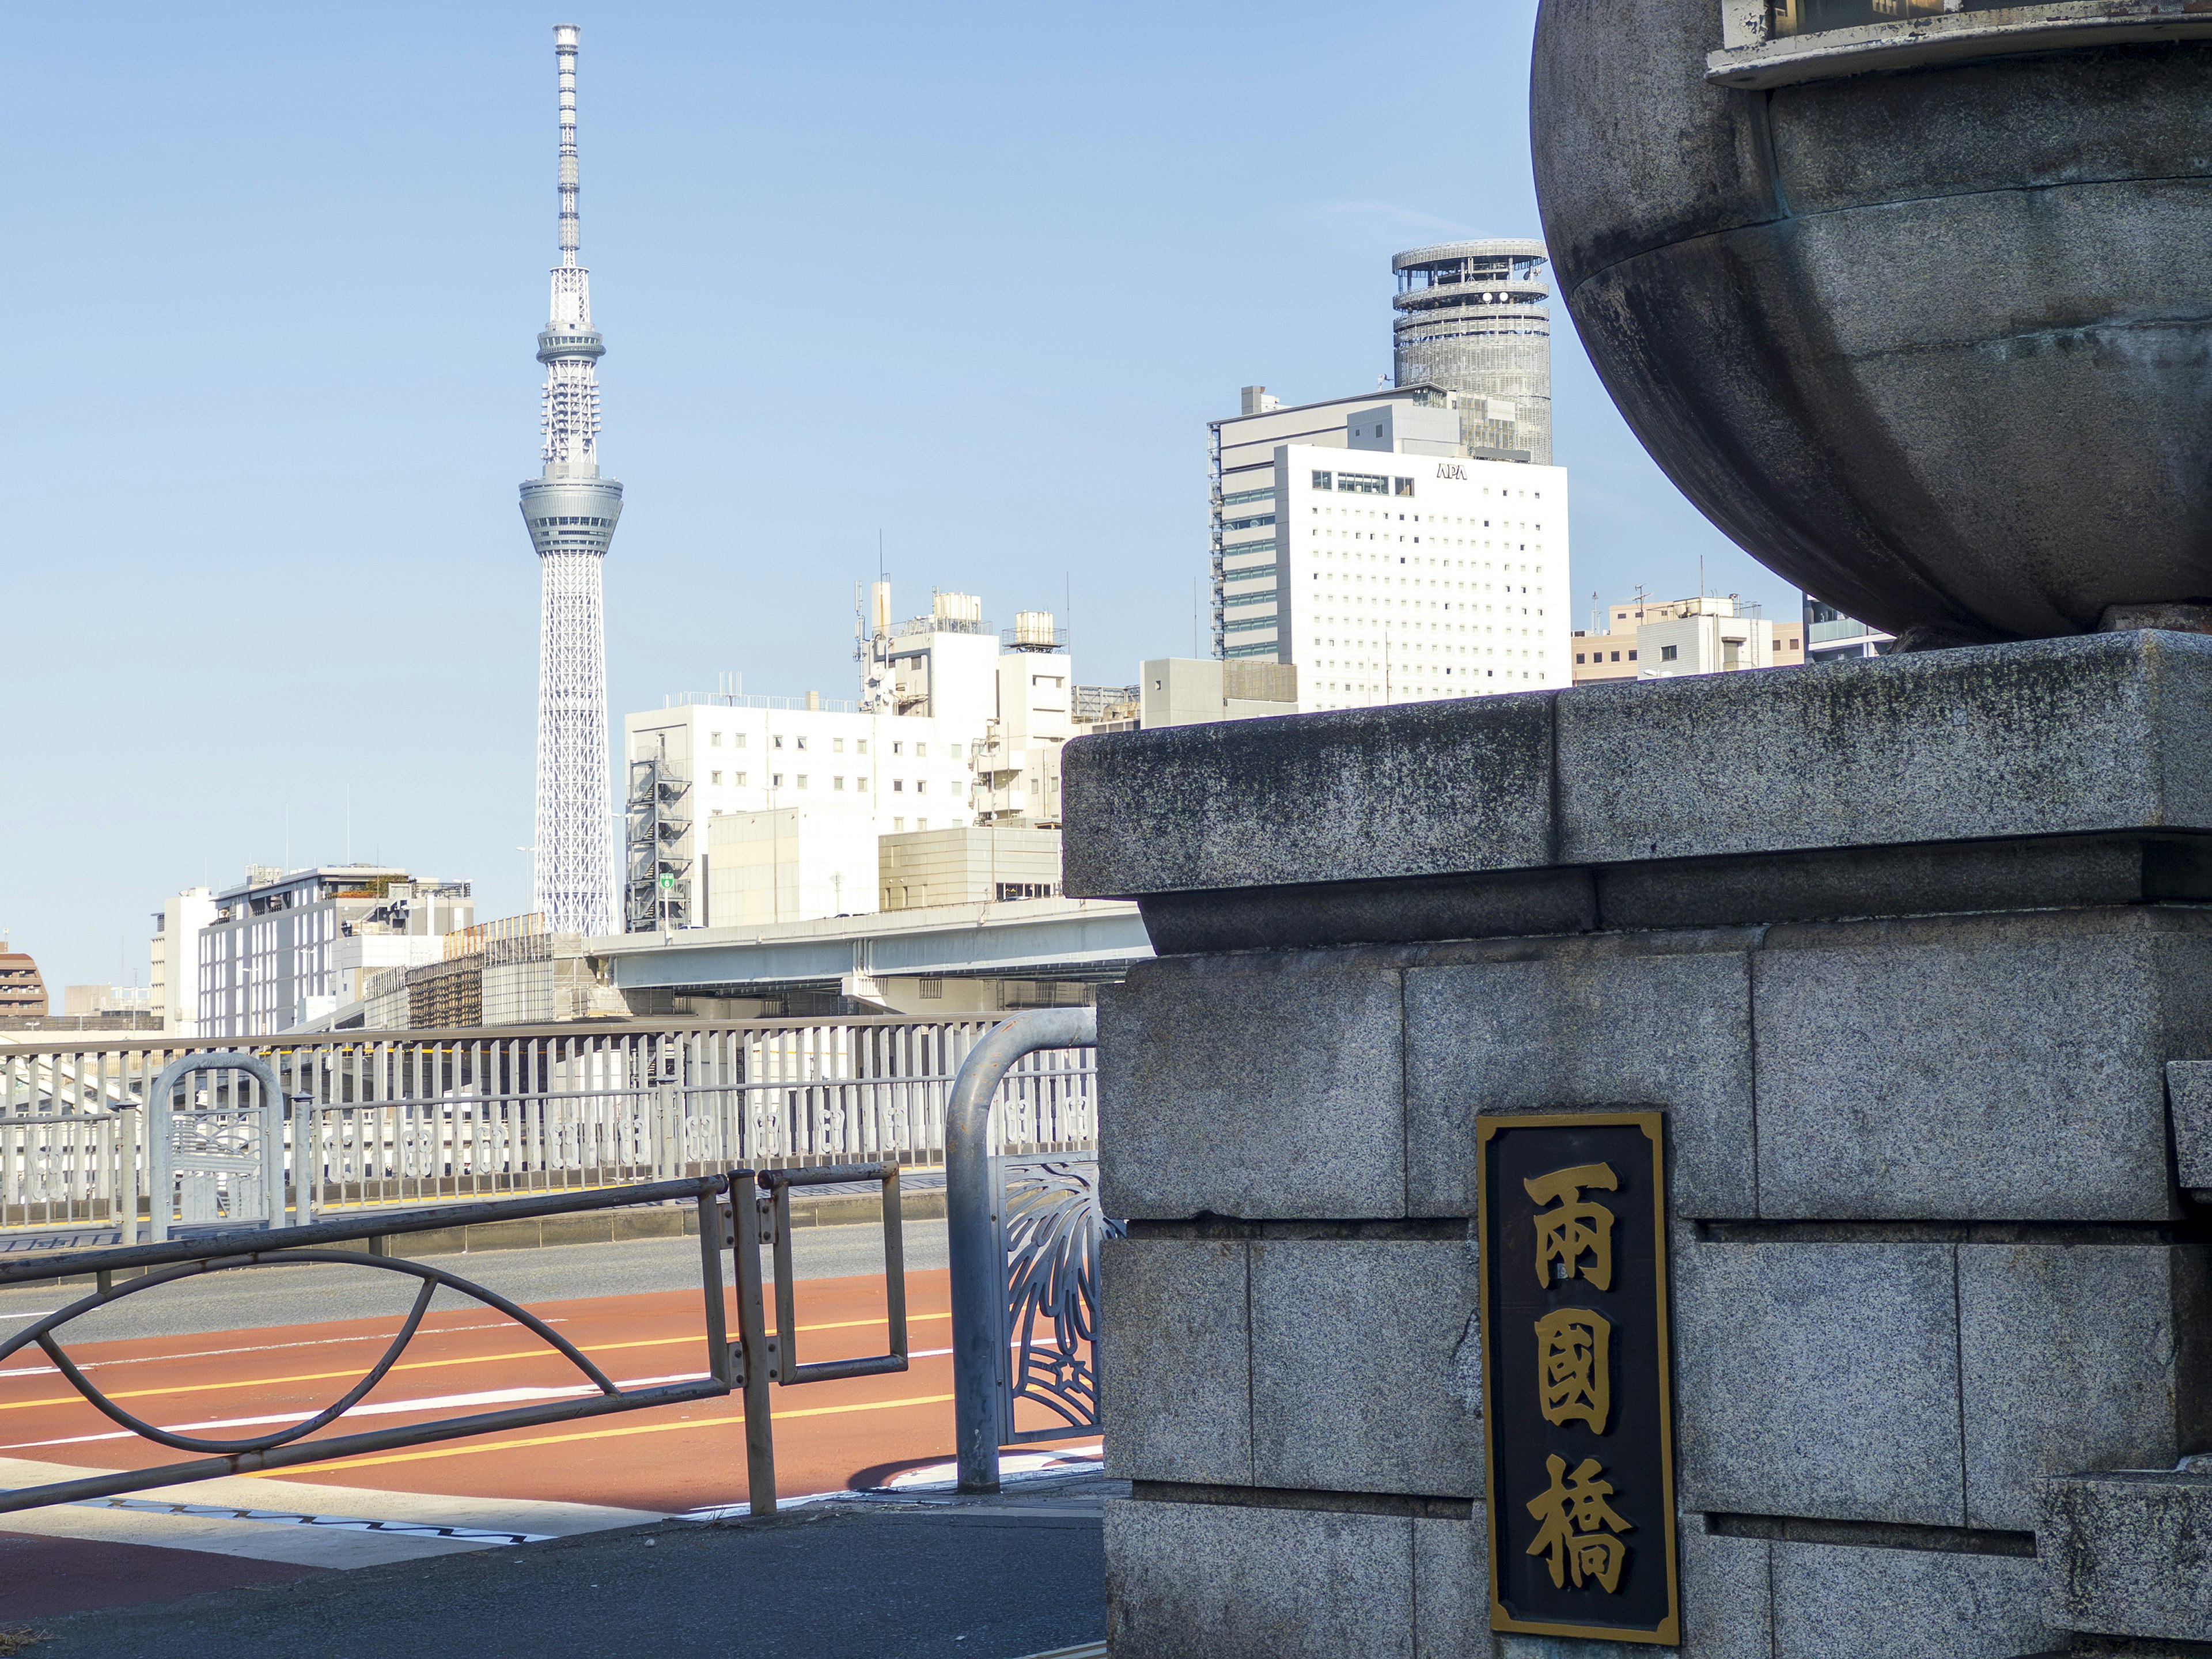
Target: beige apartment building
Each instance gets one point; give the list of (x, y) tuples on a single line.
[(1658, 639)]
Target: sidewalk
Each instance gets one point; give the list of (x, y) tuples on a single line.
[(913, 1574)]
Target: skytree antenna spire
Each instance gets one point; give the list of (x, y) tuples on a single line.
[(571, 512)]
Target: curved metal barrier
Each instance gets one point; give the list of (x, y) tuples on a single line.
[(1023, 1237), (740, 1209)]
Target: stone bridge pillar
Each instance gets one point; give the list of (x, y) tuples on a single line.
[(1902, 951)]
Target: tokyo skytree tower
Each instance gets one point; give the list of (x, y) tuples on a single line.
[(571, 512)]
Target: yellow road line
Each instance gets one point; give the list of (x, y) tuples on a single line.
[(427, 1364), (594, 1434)]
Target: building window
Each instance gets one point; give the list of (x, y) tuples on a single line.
[(1631, 655), (714, 778), (932, 990), (898, 826), (1666, 654), (740, 779), (921, 785), (715, 738), (1616, 656), (836, 745), (921, 823), (836, 784), (1404, 486), (861, 747), (1579, 656), (737, 740), (775, 780), (777, 741), (953, 750), (802, 779), (898, 786), (922, 751), (802, 743), (897, 748)]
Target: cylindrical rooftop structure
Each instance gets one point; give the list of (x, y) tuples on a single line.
[(1472, 319)]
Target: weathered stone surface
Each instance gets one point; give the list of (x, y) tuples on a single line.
[(1975, 1068), (1727, 1608), (2128, 1555), (1581, 1029), (1267, 1086), (1726, 1611), (1971, 457), (1357, 1379), (2188, 1103), (2092, 736), (1326, 914), (1817, 1380), (1209, 1581), (2071, 1362), (2058, 737), (1174, 1342), (1838, 1602), (1451, 1587), (1356, 794), (1929, 878)]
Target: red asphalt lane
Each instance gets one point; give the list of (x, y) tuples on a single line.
[(667, 1459)]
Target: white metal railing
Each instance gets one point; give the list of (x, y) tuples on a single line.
[(414, 1117)]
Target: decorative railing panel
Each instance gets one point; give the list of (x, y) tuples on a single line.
[(1050, 1228)]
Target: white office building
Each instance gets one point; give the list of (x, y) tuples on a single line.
[(1405, 577), (959, 726), (285, 947), (1360, 541), (794, 864)]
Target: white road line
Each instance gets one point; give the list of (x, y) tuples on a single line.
[(263, 1348), (384, 1408)]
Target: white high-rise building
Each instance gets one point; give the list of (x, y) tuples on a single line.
[(1408, 577), (571, 512), (1384, 561)]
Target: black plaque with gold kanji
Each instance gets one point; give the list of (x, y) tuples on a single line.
[(1577, 1420)]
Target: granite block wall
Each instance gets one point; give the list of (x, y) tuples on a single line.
[(1918, 962)]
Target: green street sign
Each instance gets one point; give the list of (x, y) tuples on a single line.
[(667, 882)]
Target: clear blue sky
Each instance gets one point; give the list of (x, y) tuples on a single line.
[(972, 276)]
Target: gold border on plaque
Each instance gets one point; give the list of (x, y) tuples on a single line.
[(1653, 1124)]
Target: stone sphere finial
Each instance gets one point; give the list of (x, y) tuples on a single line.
[(1914, 303)]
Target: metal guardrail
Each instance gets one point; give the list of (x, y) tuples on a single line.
[(724, 1200), (414, 1118)]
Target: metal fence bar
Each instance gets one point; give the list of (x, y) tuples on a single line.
[(972, 1236), (165, 1262)]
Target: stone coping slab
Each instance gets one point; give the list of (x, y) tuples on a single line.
[(2098, 734)]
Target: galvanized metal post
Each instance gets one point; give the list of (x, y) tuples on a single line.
[(752, 1343), (971, 1210)]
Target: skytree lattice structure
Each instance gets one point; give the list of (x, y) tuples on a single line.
[(571, 512)]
